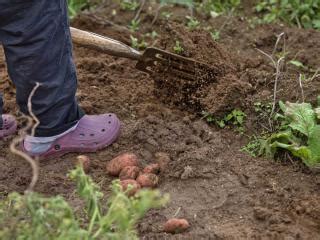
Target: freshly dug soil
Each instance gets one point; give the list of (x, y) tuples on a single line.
[(222, 192)]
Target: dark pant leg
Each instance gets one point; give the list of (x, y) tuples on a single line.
[(37, 44)]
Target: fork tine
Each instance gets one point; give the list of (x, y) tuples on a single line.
[(156, 61)]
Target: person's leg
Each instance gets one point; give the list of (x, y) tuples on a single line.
[(37, 44)]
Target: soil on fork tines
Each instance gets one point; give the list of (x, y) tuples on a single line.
[(223, 192)]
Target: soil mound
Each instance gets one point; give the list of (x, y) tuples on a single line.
[(214, 92)]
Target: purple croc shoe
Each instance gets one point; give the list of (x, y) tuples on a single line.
[(93, 132), (9, 125)]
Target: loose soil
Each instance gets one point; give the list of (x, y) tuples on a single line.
[(223, 192)]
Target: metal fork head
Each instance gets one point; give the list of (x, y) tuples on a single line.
[(157, 61)]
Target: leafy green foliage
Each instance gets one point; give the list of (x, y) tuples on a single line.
[(135, 43), (215, 34), (130, 5), (252, 147), (188, 3), (192, 23), (134, 25), (304, 13), (33, 216), (75, 6), (217, 7), (235, 118), (300, 136), (178, 48)]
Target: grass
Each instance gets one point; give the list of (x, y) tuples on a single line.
[(304, 13), (75, 6)]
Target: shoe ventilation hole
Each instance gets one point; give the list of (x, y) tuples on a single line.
[(82, 134), (92, 134), (103, 130), (109, 122), (57, 147)]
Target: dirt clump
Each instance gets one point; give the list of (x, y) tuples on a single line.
[(214, 91)]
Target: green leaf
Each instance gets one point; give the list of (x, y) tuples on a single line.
[(316, 23), (314, 146), (297, 63), (317, 111), (301, 116)]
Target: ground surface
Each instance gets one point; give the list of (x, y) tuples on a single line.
[(224, 193)]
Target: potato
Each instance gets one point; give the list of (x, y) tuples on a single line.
[(129, 172), (176, 225), (152, 168), (84, 162), (163, 160), (135, 186), (115, 166), (149, 180)]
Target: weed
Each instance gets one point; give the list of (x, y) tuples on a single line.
[(215, 8), (215, 34), (178, 49), (253, 147), (134, 25), (298, 64), (130, 5), (135, 43), (188, 3), (192, 23), (166, 15), (235, 118), (302, 13), (75, 6), (152, 34), (33, 216)]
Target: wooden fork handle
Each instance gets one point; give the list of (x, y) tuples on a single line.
[(103, 44)]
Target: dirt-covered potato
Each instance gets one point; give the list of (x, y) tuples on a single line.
[(149, 180), (176, 225), (115, 166), (152, 168), (163, 160), (135, 186), (84, 161), (129, 172)]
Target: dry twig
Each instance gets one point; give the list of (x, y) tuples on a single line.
[(19, 139)]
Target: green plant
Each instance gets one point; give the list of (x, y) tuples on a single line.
[(134, 25), (135, 43), (304, 13), (33, 216), (216, 7), (192, 23), (235, 118), (166, 15), (75, 6), (215, 34), (178, 49), (152, 34), (299, 135), (188, 3), (252, 147), (130, 5)]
